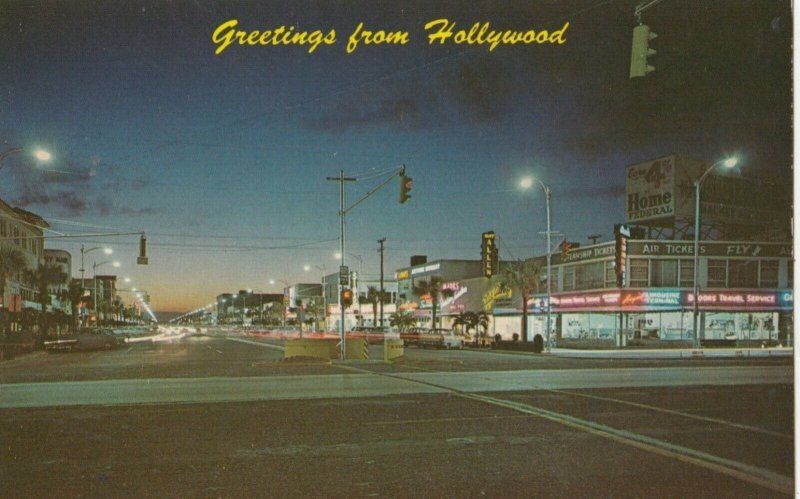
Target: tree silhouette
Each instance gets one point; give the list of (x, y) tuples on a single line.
[(525, 277), (433, 290)]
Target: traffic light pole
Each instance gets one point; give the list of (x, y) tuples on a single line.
[(342, 212)]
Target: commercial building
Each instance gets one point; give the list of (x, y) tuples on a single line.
[(21, 230), (58, 291), (640, 286)]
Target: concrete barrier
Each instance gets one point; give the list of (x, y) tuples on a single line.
[(317, 348), (356, 349), (392, 349)]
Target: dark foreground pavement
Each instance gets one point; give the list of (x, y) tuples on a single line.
[(424, 445)]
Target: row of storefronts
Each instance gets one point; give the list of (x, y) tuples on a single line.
[(745, 293)]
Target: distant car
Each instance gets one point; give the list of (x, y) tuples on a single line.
[(373, 334), (437, 338), (86, 339)]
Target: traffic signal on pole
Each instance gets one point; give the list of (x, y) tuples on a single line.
[(640, 50), (405, 187), (142, 260), (347, 297)]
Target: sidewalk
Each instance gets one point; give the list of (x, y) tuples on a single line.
[(673, 354)]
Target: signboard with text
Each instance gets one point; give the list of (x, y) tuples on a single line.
[(725, 248), (655, 299)]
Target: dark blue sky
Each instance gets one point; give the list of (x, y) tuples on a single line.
[(222, 159)]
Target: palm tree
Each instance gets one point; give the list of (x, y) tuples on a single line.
[(401, 320), (12, 261), (482, 321), (433, 290), (73, 295), (42, 277), (523, 276)]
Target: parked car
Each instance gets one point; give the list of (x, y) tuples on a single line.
[(86, 339), (373, 334), (437, 338)]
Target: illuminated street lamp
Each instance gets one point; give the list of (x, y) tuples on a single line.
[(527, 183), (106, 250), (729, 163), (39, 154)]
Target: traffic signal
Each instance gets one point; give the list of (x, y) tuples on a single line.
[(142, 260), (405, 187), (567, 247), (347, 297), (640, 50)]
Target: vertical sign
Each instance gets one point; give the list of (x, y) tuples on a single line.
[(489, 254), (621, 234)]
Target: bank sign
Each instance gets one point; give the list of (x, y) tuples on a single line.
[(658, 191)]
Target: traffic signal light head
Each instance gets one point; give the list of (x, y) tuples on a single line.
[(347, 297), (405, 187), (640, 50)]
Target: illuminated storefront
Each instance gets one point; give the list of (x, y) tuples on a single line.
[(745, 292)]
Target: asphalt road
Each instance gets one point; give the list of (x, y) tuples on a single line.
[(436, 424)]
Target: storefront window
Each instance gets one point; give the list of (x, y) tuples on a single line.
[(611, 275), (664, 273), (569, 278), (639, 271), (589, 275), (768, 277), (717, 273), (743, 273), (686, 276)]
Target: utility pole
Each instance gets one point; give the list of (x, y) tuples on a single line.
[(342, 179), (380, 296)]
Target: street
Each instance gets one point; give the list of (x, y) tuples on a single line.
[(227, 417)]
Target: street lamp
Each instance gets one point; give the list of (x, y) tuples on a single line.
[(94, 274), (39, 154), (106, 250), (527, 183), (728, 163)]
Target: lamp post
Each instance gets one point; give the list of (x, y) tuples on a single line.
[(94, 274), (527, 183), (729, 163), (39, 154)]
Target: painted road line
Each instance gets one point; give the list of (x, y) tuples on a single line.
[(751, 474), (678, 413), (257, 343)]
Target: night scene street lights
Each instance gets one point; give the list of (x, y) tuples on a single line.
[(527, 183), (729, 163), (106, 250), (39, 154)]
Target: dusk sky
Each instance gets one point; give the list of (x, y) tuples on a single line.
[(222, 159)]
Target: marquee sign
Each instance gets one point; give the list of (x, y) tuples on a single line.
[(664, 299), (729, 248)]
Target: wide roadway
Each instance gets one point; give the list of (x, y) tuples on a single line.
[(225, 417)]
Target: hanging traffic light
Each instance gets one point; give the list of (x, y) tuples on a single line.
[(142, 260), (640, 50), (405, 187), (347, 297)]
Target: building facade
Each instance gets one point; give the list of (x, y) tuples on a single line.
[(23, 231)]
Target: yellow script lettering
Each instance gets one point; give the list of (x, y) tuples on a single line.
[(223, 35)]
